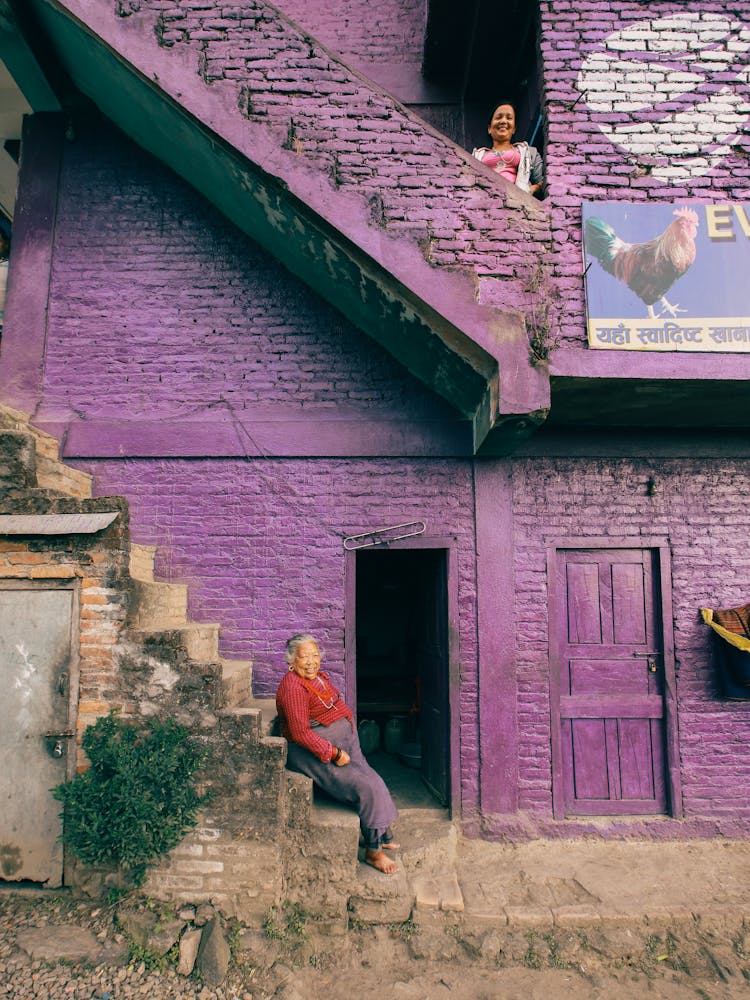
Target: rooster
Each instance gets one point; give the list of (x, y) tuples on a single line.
[(648, 269)]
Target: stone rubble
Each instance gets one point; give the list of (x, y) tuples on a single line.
[(55, 948)]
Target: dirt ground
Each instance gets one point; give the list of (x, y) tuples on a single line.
[(420, 959), (427, 962)]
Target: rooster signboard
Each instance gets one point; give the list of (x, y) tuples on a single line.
[(667, 277)]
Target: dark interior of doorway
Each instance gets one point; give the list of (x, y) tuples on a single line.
[(481, 52), (402, 671)]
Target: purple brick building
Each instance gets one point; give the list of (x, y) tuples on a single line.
[(260, 287)]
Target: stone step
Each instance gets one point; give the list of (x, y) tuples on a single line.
[(17, 461), (321, 866), (298, 793), (309, 807), (267, 708), (196, 641), (157, 603), (438, 892), (426, 879), (329, 813), (249, 719), (24, 466), (380, 899), (53, 475), (428, 841), (142, 561), (46, 445), (237, 684)]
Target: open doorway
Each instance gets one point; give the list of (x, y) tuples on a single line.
[(402, 670), (476, 54)]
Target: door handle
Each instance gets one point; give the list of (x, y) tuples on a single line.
[(650, 661), (57, 743)]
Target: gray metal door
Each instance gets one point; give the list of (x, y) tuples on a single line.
[(38, 673)]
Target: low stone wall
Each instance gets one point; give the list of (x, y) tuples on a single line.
[(242, 878)]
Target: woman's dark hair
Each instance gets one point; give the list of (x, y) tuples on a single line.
[(496, 105)]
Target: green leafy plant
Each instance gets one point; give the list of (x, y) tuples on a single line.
[(138, 798), (555, 959)]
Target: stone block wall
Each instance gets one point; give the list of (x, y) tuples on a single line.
[(241, 878), (695, 506)]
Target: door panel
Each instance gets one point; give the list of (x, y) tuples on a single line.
[(628, 604), (584, 620), (610, 663), (35, 668), (589, 758), (636, 759), (605, 676)]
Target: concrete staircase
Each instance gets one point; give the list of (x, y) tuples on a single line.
[(305, 848), (159, 619), (320, 839), (39, 467)]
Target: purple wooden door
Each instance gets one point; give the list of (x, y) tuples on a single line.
[(610, 661)]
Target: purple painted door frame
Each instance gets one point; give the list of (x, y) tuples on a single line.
[(424, 542), (557, 646)]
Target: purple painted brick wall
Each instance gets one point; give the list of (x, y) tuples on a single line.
[(696, 508), (261, 545), (387, 31), (160, 308), (643, 102)]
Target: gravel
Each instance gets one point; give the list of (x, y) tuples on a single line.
[(25, 978)]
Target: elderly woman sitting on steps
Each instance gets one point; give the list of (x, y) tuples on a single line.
[(324, 745)]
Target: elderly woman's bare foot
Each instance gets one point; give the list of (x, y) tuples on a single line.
[(379, 860), (391, 846)]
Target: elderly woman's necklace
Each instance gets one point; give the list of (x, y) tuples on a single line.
[(326, 691)]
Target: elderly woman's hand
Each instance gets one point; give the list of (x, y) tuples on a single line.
[(341, 757)]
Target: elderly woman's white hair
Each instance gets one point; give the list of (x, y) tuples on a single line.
[(293, 644)]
